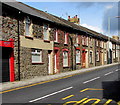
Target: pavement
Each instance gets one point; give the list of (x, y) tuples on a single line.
[(15, 84), (99, 86)]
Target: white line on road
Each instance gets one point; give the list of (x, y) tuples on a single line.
[(91, 80), (109, 73), (117, 69), (51, 94)]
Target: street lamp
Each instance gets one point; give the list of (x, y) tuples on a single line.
[(109, 19)]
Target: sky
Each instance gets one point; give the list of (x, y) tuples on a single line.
[(93, 15)]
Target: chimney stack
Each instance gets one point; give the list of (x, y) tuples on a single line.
[(75, 19)]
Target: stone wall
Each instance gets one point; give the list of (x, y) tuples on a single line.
[(10, 30), (29, 70)]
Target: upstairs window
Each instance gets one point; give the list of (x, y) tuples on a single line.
[(66, 38), (78, 56), (105, 45), (46, 31), (56, 36), (101, 44), (27, 26), (65, 58), (86, 41), (83, 40), (96, 42), (36, 56), (77, 39), (90, 41)]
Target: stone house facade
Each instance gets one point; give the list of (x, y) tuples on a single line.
[(38, 44)]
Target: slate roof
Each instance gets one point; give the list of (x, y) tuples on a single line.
[(49, 17)]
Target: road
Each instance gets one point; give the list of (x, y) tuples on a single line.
[(90, 87)]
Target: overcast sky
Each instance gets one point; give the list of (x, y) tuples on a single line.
[(93, 15)]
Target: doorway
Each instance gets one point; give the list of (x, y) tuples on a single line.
[(83, 58)]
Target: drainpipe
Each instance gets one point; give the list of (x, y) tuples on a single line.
[(72, 51), (95, 51), (18, 47)]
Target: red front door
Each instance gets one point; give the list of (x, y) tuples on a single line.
[(7, 60), (83, 58)]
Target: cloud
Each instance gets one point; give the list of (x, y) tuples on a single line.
[(111, 12), (109, 6), (85, 4), (97, 29)]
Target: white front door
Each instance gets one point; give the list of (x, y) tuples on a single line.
[(55, 59), (49, 64)]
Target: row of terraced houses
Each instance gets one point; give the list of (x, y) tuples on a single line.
[(36, 43)]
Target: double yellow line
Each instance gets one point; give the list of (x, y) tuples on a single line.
[(34, 84)]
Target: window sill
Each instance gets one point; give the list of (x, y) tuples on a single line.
[(56, 42), (65, 66), (91, 63), (47, 41), (66, 44), (29, 37), (37, 63), (97, 61), (78, 63)]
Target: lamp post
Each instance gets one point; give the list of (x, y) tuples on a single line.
[(109, 19)]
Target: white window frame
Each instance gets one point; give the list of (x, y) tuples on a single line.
[(77, 39), (87, 41), (37, 52), (91, 58), (78, 56), (56, 35), (83, 40), (105, 56), (65, 61), (46, 32), (90, 41), (97, 56), (27, 26), (65, 38), (96, 42)]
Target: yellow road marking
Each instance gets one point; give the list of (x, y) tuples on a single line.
[(107, 102), (44, 82), (34, 84), (69, 102), (89, 89), (67, 97), (118, 103), (84, 90), (76, 102), (96, 101)]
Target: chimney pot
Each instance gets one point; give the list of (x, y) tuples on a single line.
[(76, 16), (68, 17)]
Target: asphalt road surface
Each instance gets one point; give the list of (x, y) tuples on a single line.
[(97, 87)]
